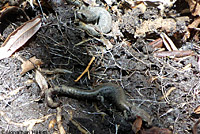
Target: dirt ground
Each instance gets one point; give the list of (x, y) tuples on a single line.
[(130, 63)]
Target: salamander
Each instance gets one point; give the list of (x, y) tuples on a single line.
[(109, 91), (94, 20)]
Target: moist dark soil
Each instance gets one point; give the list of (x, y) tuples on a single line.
[(130, 64)]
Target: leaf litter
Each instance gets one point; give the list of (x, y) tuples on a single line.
[(128, 61)]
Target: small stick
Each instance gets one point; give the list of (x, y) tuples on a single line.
[(55, 71), (82, 42), (86, 70), (40, 8), (158, 43), (88, 75), (173, 53), (167, 94), (188, 66), (78, 125)]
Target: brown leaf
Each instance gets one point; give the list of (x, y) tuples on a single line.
[(30, 64), (137, 124), (197, 110), (192, 26), (19, 37), (156, 130), (41, 81), (52, 123), (194, 7), (195, 23), (141, 5)]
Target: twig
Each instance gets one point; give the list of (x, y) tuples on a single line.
[(86, 70), (78, 125), (173, 53), (158, 43), (59, 121), (167, 93), (41, 8), (55, 71), (188, 66), (82, 42)]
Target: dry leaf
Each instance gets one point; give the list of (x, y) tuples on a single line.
[(41, 81), (52, 124), (30, 64), (141, 6), (195, 23), (156, 130), (194, 7), (137, 125), (19, 37), (197, 110)]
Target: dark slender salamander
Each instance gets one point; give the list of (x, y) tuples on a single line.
[(112, 92)]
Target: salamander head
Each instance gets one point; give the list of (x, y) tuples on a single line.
[(87, 15)]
